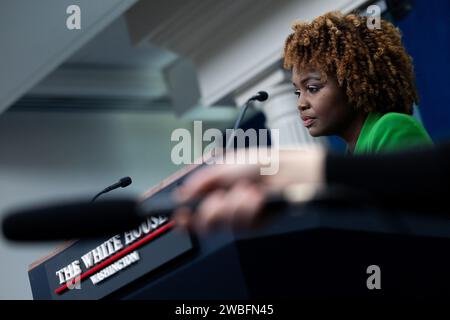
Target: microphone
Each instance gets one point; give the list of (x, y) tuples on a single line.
[(81, 219), (260, 96), (123, 183), (71, 220)]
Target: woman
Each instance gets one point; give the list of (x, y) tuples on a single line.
[(354, 82), (351, 81)]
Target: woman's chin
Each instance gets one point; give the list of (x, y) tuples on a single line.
[(313, 132)]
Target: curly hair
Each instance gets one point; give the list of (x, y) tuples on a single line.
[(371, 65)]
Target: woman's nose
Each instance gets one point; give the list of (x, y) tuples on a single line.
[(303, 106)]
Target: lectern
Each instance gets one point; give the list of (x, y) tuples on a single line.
[(318, 251)]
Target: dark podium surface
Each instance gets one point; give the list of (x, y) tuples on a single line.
[(305, 252)]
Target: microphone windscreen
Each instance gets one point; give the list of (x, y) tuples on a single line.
[(262, 96), (72, 220), (125, 182)]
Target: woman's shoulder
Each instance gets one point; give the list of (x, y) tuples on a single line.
[(395, 131), (397, 120), (396, 124)]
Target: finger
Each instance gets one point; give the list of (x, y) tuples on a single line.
[(214, 177), (210, 211), (234, 199), (199, 183), (247, 201), (183, 217), (224, 207)]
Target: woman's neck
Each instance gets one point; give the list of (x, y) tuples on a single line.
[(352, 131)]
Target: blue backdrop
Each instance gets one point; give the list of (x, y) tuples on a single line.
[(426, 36)]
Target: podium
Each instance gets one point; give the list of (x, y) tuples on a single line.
[(313, 251)]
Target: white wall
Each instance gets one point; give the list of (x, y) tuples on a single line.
[(51, 155), (34, 38), (230, 43)]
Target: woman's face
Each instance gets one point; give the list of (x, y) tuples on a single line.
[(323, 106)]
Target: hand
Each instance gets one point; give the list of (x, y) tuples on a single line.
[(234, 194)]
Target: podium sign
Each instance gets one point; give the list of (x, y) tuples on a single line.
[(96, 268)]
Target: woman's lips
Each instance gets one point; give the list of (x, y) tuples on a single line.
[(308, 122)]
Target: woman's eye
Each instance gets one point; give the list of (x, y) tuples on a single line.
[(313, 89), (297, 93)]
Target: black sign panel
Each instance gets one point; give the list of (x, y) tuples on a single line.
[(95, 269)]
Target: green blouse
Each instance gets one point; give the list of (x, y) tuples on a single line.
[(390, 132)]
